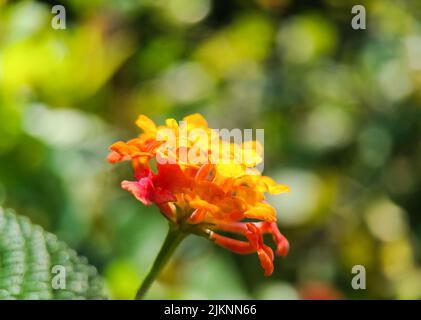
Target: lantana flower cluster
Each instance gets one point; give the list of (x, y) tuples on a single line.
[(214, 192)]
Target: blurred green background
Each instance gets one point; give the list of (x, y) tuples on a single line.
[(341, 109)]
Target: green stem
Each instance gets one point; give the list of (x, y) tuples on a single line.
[(173, 239)]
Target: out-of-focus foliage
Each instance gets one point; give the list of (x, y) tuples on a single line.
[(30, 262), (341, 109)]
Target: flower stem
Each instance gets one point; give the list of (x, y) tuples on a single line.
[(172, 240)]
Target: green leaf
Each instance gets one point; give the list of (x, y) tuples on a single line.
[(35, 265)]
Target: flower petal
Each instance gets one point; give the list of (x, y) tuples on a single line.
[(143, 190), (237, 246), (261, 211), (196, 120), (146, 124)]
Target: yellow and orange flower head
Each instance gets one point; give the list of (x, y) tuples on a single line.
[(199, 192)]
